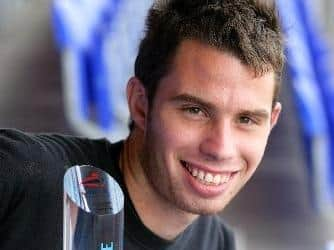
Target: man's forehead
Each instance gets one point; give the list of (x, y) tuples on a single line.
[(197, 55), (215, 76), (190, 50)]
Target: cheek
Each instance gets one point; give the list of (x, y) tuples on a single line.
[(252, 151), (172, 132)]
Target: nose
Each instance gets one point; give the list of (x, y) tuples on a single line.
[(219, 142)]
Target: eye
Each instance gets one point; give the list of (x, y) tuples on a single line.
[(193, 110), (246, 120)]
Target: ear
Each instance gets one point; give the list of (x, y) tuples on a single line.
[(275, 114), (137, 102)]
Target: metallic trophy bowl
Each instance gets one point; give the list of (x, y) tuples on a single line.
[(93, 210)]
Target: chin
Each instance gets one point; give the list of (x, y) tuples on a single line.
[(204, 207)]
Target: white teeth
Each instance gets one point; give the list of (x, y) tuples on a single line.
[(208, 178), (194, 172), (216, 179), (225, 178), (200, 175)]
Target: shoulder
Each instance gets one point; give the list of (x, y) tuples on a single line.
[(24, 155), (18, 145), (16, 148), (19, 169), (34, 164)]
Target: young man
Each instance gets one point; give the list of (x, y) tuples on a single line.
[(203, 102)]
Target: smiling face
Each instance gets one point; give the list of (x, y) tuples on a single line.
[(207, 128)]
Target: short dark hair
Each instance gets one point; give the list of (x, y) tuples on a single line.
[(248, 29)]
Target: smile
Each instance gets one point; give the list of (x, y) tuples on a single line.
[(205, 177)]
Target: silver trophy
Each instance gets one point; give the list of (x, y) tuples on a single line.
[(93, 210)]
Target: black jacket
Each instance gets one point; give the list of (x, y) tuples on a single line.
[(31, 195)]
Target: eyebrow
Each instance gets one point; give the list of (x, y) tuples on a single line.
[(260, 113), (192, 99)]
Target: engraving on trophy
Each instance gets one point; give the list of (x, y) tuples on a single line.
[(93, 180), (111, 247)]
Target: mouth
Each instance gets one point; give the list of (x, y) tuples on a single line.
[(206, 177)]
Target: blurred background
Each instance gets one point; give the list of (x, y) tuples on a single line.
[(64, 66)]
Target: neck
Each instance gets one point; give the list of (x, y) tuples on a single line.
[(156, 213)]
